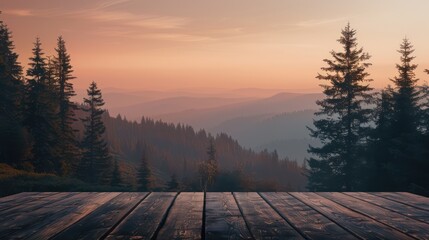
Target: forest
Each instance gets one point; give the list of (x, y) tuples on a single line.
[(50, 143), (371, 140)]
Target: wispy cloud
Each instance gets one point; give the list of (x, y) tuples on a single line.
[(177, 37), (107, 4), (318, 22), (19, 12), (130, 19)]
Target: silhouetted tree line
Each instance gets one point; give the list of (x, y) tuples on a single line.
[(370, 141), (37, 116), (43, 130)]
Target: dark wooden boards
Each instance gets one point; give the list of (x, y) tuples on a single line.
[(100, 221), (223, 218), (391, 205), (215, 215), (406, 198), (356, 223), (310, 222), (395, 220), (145, 219), (185, 218), (263, 221)]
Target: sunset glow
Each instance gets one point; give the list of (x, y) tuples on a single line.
[(167, 45)]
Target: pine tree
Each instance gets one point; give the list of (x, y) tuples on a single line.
[(172, 185), (380, 167), (95, 165), (13, 139), (63, 68), (116, 175), (144, 173), (208, 169), (41, 114), (343, 121), (405, 120)]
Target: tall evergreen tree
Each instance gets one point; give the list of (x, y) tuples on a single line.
[(13, 138), (405, 120), (116, 175), (95, 165), (343, 121), (208, 169), (144, 173), (63, 68), (380, 155), (41, 114)]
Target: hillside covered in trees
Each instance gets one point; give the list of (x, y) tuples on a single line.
[(50, 143)]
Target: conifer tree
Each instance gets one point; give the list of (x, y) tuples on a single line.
[(116, 175), (380, 167), (342, 121), (63, 68), (41, 114), (144, 173), (95, 165), (405, 120), (172, 185), (208, 169), (12, 135)]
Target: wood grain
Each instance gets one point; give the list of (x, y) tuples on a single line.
[(18, 210), (395, 220), (145, 219), (406, 198), (63, 216), (23, 199), (263, 221), (223, 218), (99, 222), (184, 220), (313, 224), (398, 207), (356, 223)]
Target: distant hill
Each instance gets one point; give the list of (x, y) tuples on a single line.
[(286, 132), (177, 149), (212, 117), (173, 104)]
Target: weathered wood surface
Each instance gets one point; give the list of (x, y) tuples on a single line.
[(223, 218), (264, 222), (295, 215)]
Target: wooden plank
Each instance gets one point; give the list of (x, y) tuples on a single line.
[(185, 218), (145, 219), (398, 221), (8, 215), (21, 199), (223, 218), (398, 207), (43, 226), (406, 198), (263, 221), (357, 223), (310, 222), (100, 221)]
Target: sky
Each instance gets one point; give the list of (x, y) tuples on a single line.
[(221, 44)]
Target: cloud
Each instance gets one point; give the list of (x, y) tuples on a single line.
[(130, 19), (177, 37), (107, 4), (318, 22), (19, 12)]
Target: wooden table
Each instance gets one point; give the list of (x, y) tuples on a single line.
[(189, 215)]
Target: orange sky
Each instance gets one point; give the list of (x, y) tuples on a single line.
[(182, 44)]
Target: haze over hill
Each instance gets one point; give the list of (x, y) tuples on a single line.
[(258, 118)]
